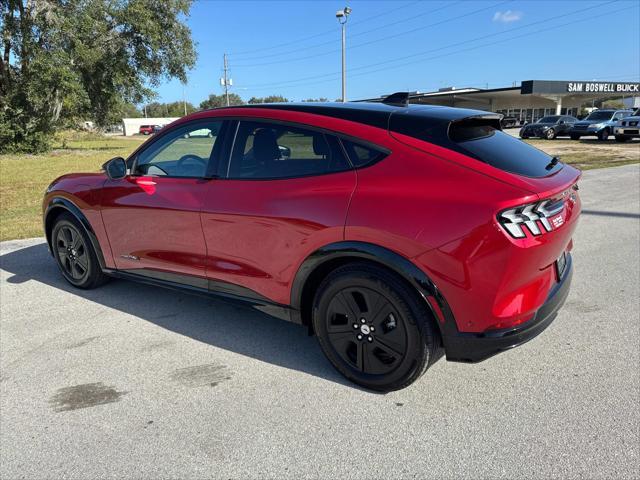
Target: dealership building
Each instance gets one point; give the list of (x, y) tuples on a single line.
[(533, 99)]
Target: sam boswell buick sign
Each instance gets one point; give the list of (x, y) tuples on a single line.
[(558, 87), (603, 87)]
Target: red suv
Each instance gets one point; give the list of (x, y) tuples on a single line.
[(392, 232), (146, 129)]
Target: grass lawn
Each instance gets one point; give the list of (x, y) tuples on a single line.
[(23, 178)]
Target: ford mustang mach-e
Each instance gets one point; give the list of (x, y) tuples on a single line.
[(393, 232)]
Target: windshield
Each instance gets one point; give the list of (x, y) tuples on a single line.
[(551, 119), (599, 115)]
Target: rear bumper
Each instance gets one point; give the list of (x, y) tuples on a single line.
[(475, 347)]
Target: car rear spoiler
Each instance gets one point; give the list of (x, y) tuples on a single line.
[(485, 119)]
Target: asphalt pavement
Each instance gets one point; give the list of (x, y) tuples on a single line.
[(131, 381)]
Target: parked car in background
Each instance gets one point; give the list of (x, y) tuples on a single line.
[(157, 128), (600, 123), (509, 122), (146, 129), (549, 127), (628, 127), (390, 231)]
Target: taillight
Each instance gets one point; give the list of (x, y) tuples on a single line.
[(538, 218)]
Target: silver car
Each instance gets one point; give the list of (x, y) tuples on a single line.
[(628, 127)]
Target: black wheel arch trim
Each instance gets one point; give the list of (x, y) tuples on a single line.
[(57, 203), (381, 255)]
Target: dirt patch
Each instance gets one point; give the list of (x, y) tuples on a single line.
[(84, 396), (211, 374)]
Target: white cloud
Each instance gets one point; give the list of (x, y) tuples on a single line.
[(507, 16)]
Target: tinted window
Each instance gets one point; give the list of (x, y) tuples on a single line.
[(501, 150), (184, 152), (621, 115), (552, 119), (360, 155), (269, 150)]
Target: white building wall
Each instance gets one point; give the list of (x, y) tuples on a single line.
[(131, 126)]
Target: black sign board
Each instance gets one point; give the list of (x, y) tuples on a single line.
[(554, 87)]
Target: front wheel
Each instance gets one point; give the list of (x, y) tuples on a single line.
[(550, 134), (74, 254), (374, 328), (621, 138), (603, 135), (575, 137)]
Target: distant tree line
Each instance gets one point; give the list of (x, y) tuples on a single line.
[(176, 109)]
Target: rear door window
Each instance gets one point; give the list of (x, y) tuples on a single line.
[(482, 141), (264, 150)]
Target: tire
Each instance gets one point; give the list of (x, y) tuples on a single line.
[(524, 137), (603, 135), (74, 254), (373, 328), (575, 137), (621, 138), (550, 134)]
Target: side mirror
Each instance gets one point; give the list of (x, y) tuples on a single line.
[(116, 168), (561, 122)]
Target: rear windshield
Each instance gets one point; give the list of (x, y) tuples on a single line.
[(486, 143)]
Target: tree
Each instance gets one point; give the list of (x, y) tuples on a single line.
[(173, 109), (128, 110), (269, 99), (215, 101), (321, 99), (66, 60)]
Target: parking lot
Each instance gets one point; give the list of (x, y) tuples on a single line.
[(132, 381)]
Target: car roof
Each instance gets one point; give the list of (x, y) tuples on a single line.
[(376, 114)]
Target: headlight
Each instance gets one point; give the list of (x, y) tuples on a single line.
[(533, 216)]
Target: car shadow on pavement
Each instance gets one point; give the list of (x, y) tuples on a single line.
[(222, 324)]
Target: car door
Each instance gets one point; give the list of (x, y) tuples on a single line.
[(284, 193), (152, 216)]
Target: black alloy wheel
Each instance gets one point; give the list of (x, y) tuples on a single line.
[(373, 327), (74, 254)]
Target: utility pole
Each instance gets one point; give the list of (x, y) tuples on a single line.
[(342, 16), (225, 81)]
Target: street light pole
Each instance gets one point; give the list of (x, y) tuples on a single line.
[(184, 100), (342, 16)]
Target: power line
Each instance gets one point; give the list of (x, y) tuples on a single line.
[(326, 32), (331, 42), (451, 53), (388, 37), (424, 52)]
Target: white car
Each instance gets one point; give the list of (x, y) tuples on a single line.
[(628, 127)]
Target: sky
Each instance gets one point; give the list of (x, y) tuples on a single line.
[(292, 48)]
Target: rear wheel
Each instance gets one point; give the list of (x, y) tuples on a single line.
[(603, 135), (74, 254), (373, 328)]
